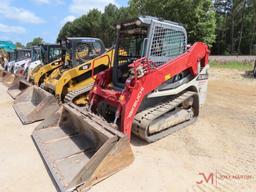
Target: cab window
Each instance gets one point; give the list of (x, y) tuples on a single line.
[(54, 53), (82, 52)]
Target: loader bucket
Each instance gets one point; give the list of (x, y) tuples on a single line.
[(80, 149), (3, 74), (34, 104), (11, 79), (18, 87)]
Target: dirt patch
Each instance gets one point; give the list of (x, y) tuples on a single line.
[(222, 143)]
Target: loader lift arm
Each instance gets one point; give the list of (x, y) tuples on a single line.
[(156, 56), (154, 87), (72, 74), (128, 100), (87, 71), (76, 72), (50, 62), (40, 55)]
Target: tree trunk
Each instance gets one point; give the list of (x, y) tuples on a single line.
[(253, 28), (232, 36), (241, 29), (253, 37)]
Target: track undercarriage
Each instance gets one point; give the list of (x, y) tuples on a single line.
[(154, 87), (166, 117)]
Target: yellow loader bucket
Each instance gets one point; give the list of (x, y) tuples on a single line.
[(11, 79), (80, 149), (18, 87), (34, 104)]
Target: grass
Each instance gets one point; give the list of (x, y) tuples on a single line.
[(232, 65)]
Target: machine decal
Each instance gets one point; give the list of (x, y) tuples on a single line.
[(84, 67), (203, 76), (88, 40), (167, 77), (136, 102)]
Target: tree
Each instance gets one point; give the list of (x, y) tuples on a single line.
[(227, 26), (223, 6), (65, 31), (236, 29), (97, 24), (113, 15), (197, 16), (253, 29), (35, 41), (19, 45), (87, 25)]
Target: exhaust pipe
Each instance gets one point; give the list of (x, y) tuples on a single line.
[(80, 149), (34, 104), (18, 87)]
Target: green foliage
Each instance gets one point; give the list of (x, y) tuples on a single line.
[(35, 41), (232, 65), (65, 31), (96, 24), (19, 45), (197, 16), (236, 31), (231, 32)]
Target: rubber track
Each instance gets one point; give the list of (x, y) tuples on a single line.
[(143, 119), (73, 94)]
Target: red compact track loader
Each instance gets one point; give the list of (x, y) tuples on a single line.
[(155, 87)]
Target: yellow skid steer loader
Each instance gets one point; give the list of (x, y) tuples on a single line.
[(41, 55), (87, 58)]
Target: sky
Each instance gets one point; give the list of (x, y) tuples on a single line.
[(23, 20)]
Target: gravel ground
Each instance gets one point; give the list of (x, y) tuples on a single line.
[(222, 143)]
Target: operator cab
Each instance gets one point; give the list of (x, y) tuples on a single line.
[(11, 56), (50, 52), (82, 49), (154, 38), (22, 54), (35, 53)]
